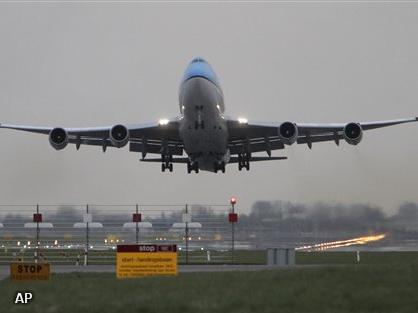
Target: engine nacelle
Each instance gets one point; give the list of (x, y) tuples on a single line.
[(288, 132), (119, 136), (353, 133), (58, 138)]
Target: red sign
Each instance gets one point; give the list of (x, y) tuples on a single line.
[(233, 217), (37, 218), (136, 217)]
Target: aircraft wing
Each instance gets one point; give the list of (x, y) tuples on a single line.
[(250, 137), (155, 137)]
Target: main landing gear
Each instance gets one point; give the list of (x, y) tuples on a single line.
[(192, 167), (167, 163), (244, 161), (219, 167)]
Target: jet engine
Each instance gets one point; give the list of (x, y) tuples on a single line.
[(119, 136), (353, 133), (288, 132), (58, 138)]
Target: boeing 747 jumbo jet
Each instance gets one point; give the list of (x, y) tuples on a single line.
[(202, 131)]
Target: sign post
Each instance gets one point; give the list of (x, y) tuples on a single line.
[(233, 218), (87, 218), (134, 261), (136, 218), (187, 218), (37, 218)]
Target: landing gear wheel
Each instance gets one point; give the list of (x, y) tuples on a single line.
[(167, 164), (244, 161), (219, 167), (192, 167)]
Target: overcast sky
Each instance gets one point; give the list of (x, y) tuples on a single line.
[(102, 64)]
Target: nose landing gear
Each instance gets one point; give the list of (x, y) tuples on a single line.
[(167, 163), (244, 161)]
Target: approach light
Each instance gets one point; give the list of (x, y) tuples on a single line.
[(242, 120)]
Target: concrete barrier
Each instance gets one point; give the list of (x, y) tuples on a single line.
[(281, 256)]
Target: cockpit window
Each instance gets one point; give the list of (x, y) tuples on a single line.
[(197, 60), (198, 67)]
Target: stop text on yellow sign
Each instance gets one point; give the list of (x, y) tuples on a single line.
[(29, 271)]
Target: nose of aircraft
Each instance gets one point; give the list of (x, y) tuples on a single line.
[(198, 67)]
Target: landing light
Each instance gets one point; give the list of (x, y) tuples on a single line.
[(163, 121), (242, 120)]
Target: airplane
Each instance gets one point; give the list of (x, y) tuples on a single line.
[(202, 131)]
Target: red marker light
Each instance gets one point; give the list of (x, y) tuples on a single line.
[(233, 200)]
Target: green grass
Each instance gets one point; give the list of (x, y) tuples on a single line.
[(353, 288)]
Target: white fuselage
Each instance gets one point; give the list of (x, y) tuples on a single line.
[(203, 128)]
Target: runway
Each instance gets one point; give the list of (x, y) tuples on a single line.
[(5, 270)]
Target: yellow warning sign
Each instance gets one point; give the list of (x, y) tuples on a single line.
[(29, 271), (145, 260)]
